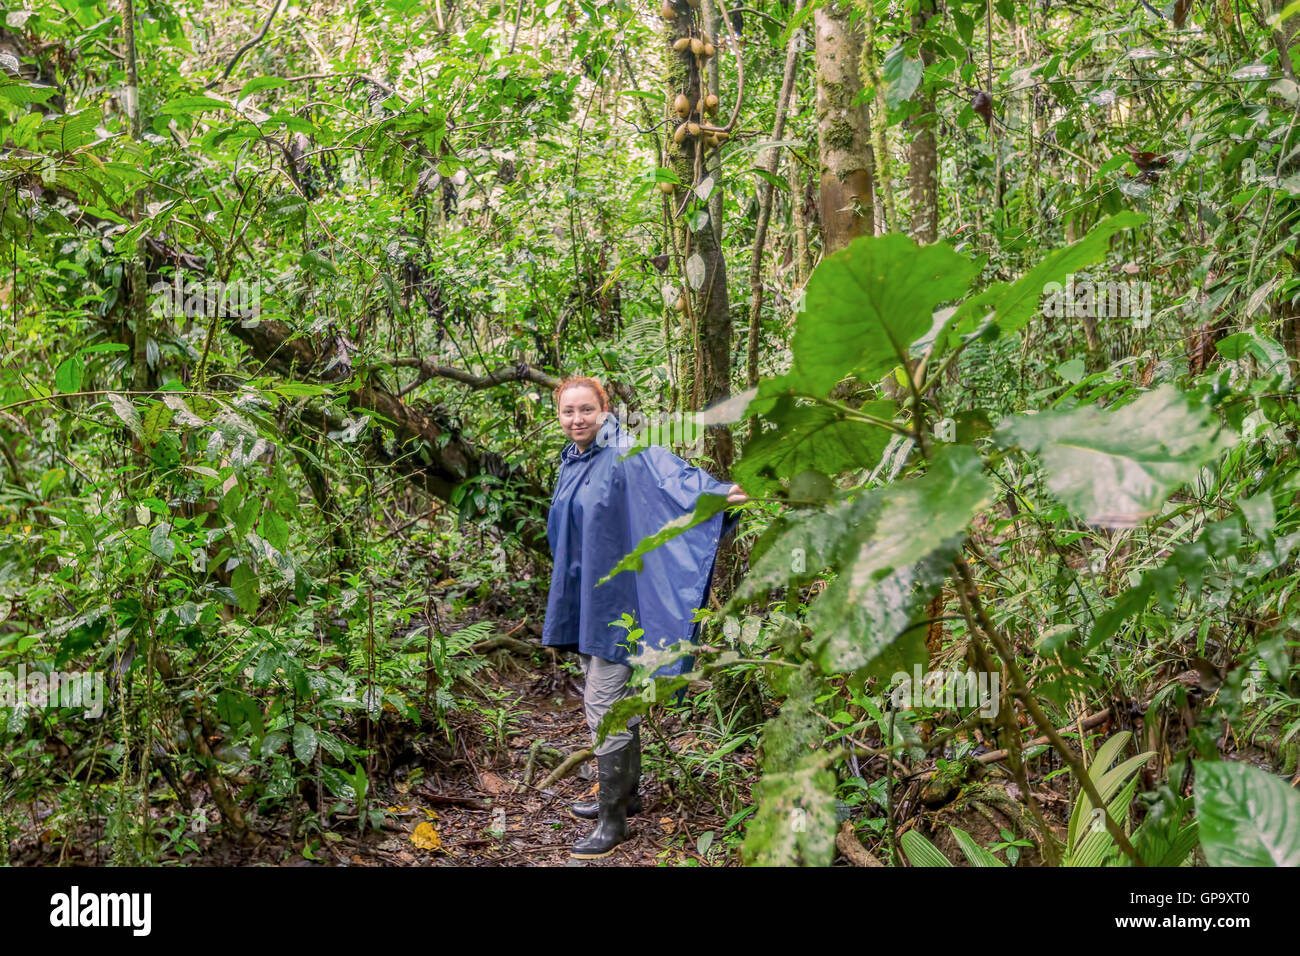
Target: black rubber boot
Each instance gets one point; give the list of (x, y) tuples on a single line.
[(590, 809), (616, 784)]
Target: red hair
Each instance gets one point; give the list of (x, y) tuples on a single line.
[(587, 382)]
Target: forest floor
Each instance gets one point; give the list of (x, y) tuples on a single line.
[(469, 790)]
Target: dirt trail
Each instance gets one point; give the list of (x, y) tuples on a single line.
[(507, 824)]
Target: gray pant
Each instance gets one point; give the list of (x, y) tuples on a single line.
[(606, 685)]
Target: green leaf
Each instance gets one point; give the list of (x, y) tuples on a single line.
[(244, 583), (978, 855), (318, 264), (863, 619), (1247, 817), (866, 304), (304, 741), (23, 93), (806, 543), (124, 410), (275, 530), (920, 851), (188, 105), (795, 821), (156, 418), (68, 376), (160, 542), (1116, 466), (259, 83), (811, 436), (901, 76)]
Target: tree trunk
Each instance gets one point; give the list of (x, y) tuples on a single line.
[(846, 202), (768, 162), (923, 158), (708, 306)]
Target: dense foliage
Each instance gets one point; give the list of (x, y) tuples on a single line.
[(284, 290)]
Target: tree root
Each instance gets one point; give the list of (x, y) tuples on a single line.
[(572, 763)]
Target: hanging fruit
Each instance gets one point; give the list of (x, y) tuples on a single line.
[(667, 11), (682, 105), (682, 45)]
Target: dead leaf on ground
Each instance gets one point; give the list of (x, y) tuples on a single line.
[(426, 837)]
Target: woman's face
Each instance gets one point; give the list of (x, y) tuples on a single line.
[(580, 414)]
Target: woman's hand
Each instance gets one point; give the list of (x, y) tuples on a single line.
[(736, 495)]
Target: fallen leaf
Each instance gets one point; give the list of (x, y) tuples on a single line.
[(426, 837), (492, 783), (667, 824)]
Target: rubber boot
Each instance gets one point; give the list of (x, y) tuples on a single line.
[(616, 784), (590, 809)]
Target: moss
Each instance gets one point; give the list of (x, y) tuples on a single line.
[(839, 135), (838, 95)]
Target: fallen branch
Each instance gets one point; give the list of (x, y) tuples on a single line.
[(512, 644), (1087, 723), (473, 803), (846, 841)]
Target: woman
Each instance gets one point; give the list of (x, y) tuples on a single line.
[(603, 506)]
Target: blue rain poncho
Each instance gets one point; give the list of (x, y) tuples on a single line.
[(601, 509)]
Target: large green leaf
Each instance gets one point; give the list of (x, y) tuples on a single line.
[(866, 304), (1114, 467), (806, 544), (921, 852), (863, 618), (304, 741), (978, 855), (811, 436), (1247, 817)]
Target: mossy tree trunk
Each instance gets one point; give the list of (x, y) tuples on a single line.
[(923, 151), (846, 202), (696, 239)]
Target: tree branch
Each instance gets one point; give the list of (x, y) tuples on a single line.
[(239, 54)]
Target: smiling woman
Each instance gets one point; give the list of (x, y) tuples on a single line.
[(603, 505)]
